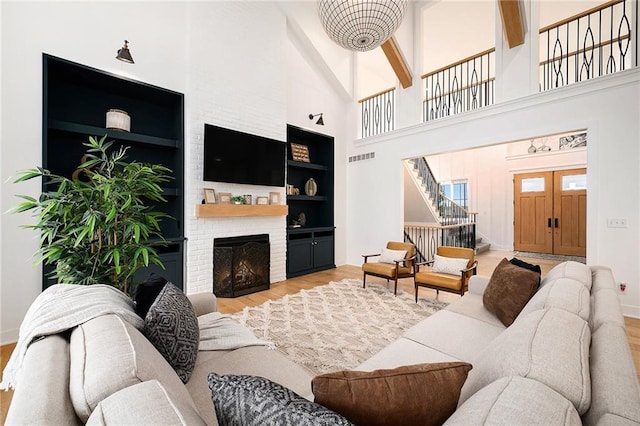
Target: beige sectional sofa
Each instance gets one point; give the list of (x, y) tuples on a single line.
[(565, 360)]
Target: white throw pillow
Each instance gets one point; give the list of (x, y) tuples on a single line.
[(449, 265), (390, 256)]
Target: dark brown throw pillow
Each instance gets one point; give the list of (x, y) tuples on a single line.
[(508, 291), (421, 394)]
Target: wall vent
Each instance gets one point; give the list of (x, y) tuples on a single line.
[(367, 156)]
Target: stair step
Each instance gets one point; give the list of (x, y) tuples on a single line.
[(478, 240), (482, 247)]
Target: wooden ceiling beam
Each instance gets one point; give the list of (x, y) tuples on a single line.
[(391, 51), (512, 22)]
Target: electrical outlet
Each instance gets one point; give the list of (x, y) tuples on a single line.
[(622, 287), (616, 222)]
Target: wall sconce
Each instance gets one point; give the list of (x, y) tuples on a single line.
[(124, 55), (320, 120)]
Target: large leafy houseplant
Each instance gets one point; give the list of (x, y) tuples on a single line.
[(99, 227)]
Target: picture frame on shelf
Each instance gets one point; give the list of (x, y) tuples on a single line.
[(300, 152), (209, 195), (261, 201), (248, 199), (274, 198), (225, 197)]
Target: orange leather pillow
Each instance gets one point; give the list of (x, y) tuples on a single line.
[(508, 291), (424, 394)]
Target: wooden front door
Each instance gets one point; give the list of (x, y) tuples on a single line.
[(550, 212)]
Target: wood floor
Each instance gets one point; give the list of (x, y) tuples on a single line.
[(486, 263)]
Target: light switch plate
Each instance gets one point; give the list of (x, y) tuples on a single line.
[(616, 222)]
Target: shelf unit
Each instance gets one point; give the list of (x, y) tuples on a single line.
[(311, 248), (76, 99)]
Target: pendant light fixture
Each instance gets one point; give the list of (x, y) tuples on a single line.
[(361, 25), (124, 55)]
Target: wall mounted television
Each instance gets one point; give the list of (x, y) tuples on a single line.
[(236, 157)]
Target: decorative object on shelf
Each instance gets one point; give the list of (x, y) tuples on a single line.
[(532, 148), (224, 197), (274, 198), (289, 189), (320, 121), (573, 141), (300, 152), (210, 195), (300, 221), (311, 187), (544, 147), (261, 201), (118, 119), (248, 198), (105, 238), (361, 25), (238, 199), (124, 55)]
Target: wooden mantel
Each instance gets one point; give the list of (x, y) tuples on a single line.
[(235, 210)]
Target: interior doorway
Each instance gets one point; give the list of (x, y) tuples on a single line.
[(550, 212)]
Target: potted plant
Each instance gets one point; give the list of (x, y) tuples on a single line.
[(98, 227), (238, 199)]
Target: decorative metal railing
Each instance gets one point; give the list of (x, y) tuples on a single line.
[(462, 86), (450, 212), (378, 113), (427, 238), (596, 42)]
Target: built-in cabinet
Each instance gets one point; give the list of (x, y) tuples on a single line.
[(310, 246), (76, 99)]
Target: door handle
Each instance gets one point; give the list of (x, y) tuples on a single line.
[(549, 223), (556, 222)]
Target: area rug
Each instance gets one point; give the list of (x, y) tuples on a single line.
[(551, 256), (336, 326)]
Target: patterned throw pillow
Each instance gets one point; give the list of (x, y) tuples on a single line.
[(449, 265), (252, 400), (171, 326), (390, 256)]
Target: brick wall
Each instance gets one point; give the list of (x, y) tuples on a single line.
[(237, 83)]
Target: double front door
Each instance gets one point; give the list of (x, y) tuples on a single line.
[(550, 212)]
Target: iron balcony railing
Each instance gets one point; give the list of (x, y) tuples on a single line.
[(378, 113), (596, 42), (462, 86), (427, 238)]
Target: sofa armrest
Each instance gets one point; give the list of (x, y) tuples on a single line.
[(477, 284), (203, 303)]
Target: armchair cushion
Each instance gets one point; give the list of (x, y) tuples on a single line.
[(392, 256), (439, 280), (384, 269), (449, 265), (424, 394)]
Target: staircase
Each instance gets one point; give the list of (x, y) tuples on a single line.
[(482, 247)]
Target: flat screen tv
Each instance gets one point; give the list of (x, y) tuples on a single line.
[(237, 157)]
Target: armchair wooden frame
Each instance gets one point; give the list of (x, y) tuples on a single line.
[(397, 272)]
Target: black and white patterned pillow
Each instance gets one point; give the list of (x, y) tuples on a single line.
[(171, 326), (253, 401)]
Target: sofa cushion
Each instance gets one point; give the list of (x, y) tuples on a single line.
[(109, 354), (570, 269), (171, 326), (564, 293), (509, 290), (147, 402), (471, 305), (449, 265), (550, 345), (424, 394), (401, 352), (253, 400), (515, 400), (605, 309), (615, 391)]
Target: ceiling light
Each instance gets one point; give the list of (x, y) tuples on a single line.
[(320, 120), (124, 55), (361, 25)]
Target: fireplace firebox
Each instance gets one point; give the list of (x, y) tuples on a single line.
[(241, 265)]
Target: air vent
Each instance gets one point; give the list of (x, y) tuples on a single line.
[(367, 156)]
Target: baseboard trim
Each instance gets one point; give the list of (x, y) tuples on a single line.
[(631, 311), (9, 336)]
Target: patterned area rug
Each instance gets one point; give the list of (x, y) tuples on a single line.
[(336, 326), (551, 256)]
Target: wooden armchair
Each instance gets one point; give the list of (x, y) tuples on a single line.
[(458, 283), (400, 268)]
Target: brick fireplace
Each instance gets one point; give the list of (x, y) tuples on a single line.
[(241, 265)]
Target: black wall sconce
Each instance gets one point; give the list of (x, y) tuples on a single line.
[(124, 55), (320, 120)]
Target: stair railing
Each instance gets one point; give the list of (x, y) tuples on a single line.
[(427, 238)]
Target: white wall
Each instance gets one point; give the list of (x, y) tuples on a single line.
[(612, 158)]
